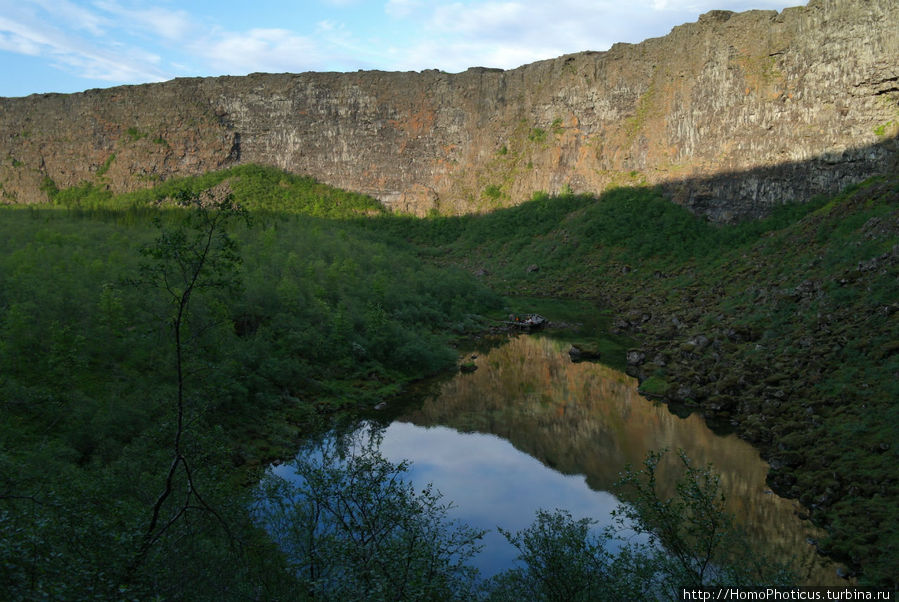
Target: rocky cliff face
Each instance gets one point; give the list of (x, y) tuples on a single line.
[(734, 113)]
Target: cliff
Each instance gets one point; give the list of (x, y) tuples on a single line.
[(733, 114)]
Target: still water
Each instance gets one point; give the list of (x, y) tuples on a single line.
[(529, 429)]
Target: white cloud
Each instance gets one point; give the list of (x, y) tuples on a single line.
[(19, 38), (486, 19), (169, 24), (172, 25), (51, 30), (327, 25), (258, 50), (19, 45), (112, 67), (501, 34), (74, 16), (402, 8), (507, 34)]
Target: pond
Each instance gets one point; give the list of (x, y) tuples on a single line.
[(530, 429)]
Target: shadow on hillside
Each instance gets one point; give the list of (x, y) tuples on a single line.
[(739, 195)]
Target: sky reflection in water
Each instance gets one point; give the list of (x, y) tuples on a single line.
[(530, 430), (491, 483)]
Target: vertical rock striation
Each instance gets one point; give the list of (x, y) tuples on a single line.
[(732, 114)]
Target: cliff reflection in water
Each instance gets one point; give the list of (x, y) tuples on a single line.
[(588, 419)]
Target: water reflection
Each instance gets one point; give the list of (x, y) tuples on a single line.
[(491, 484), (578, 419)]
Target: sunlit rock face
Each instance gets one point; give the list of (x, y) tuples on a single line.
[(733, 114)]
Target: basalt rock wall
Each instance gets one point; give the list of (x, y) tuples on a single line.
[(732, 114)]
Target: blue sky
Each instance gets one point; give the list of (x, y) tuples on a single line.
[(74, 45)]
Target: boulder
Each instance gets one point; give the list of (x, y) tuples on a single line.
[(578, 353), (635, 357)]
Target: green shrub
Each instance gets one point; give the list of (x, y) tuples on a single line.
[(657, 546), (537, 135), (353, 529), (134, 134)]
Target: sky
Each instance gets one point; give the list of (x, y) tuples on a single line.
[(74, 45)]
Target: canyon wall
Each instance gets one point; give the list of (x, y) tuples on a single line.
[(733, 114)]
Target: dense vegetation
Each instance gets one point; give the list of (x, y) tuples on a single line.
[(784, 329), (117, 465), (110, 349)]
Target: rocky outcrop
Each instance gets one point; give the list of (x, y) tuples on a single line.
[(733, 114)]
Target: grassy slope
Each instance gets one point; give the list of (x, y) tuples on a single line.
[(785, 328), (329, 315)]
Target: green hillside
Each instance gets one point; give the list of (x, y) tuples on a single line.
[(784, 329), (314, 303)]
